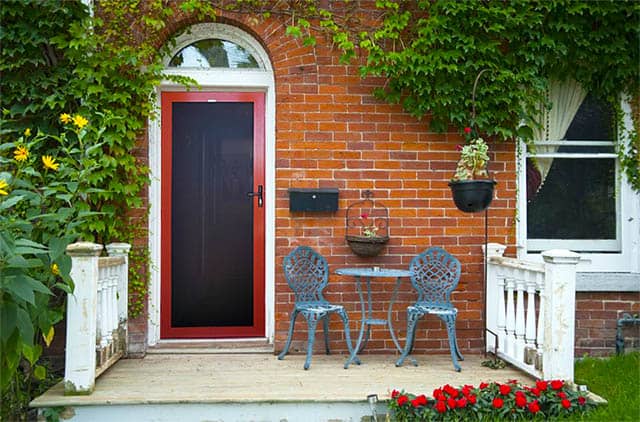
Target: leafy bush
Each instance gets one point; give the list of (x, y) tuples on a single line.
[(44, 200), (490, 401)]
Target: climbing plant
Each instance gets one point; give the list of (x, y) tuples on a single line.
[(430, 52)]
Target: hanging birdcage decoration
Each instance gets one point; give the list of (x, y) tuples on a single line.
[(367, 226)]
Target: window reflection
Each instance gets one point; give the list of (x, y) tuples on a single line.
[(214, 53)]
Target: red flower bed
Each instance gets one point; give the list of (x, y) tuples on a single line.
[(490, 401)]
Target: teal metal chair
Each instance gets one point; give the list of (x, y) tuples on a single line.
[(307, 274), (434, 274)]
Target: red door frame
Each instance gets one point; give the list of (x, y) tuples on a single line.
[(258, 327)]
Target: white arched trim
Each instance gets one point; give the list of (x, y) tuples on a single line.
[(219, 80)]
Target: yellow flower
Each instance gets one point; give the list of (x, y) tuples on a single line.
[(65, 118), (79, 121), (21, 153), (3, 186), (27, 132), (54, 269), (50, 162)]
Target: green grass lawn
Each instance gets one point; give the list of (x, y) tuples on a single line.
[(616, 379)]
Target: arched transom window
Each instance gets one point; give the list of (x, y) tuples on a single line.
[(214, 52)]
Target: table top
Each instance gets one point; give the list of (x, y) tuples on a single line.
[(373, 272)]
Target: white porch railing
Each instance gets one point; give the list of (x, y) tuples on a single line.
[(531, 311), (96, 313)]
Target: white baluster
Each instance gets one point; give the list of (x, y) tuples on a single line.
[(500, 323), (541, 309), (511, 317), (530, 336), (103, 308), (519, 341)]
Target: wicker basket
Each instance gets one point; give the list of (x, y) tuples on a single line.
[(367, 246)]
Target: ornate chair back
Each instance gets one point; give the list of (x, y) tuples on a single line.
[(307, 274), (435, 274)]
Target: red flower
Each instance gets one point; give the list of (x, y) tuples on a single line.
[(541, 385), (451, 403), (472, 399), (452, 392), (466, 390), (402, 400), (521, 400), (422, 399), (394, 394), (534, 407), (562, 395), (458, 147), (467, 129), (582, 400), (483, 385), (460, 403), (557, 384), (415, 402), (512, 381), (437, 393), (440, 407), (565, 403), (535, 392), (505, 389), (498, 403)]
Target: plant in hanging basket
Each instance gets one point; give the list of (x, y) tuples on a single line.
[(470, 185), (367, 226)]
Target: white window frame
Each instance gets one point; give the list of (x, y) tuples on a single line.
[(620, 255)]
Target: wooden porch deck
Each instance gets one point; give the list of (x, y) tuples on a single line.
[(181, 379)]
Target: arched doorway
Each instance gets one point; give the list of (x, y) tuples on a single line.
[(211, 241)]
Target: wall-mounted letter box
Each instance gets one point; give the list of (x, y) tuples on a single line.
[(324, 199)]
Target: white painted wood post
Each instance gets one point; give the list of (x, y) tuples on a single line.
[(520, 317), (80, 355), (494, 294), (559, 314), (122, 249)]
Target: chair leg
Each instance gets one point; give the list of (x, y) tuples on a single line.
[(325, 326), (292, 324), (412, 319), (312, 323), (450, 321)]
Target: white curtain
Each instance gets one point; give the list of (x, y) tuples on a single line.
[(566, 98)]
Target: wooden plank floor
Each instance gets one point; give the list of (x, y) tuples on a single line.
[(227, 378)]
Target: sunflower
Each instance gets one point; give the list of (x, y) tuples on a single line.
[(21, 153), (50, 162), (3, 186), (79, 121)]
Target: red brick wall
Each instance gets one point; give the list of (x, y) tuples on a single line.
[(596, 317)]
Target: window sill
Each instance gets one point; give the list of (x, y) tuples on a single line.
[(608, 282)]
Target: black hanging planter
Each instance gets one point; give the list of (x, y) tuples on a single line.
[(472, 195)]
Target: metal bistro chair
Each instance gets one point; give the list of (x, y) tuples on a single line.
[(307, 274), (434, 274)]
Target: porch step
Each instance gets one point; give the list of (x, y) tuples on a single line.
[(235, 346)]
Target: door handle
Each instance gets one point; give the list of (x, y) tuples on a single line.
[(258, 194)]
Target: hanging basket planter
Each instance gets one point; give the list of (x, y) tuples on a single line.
[(472, 195), (367, 226), (367, 246)]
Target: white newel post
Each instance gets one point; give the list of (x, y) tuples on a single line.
[(559, 314), (80, 356), (492, 296)]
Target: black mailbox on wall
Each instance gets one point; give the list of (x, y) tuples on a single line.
[(324, 199)]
